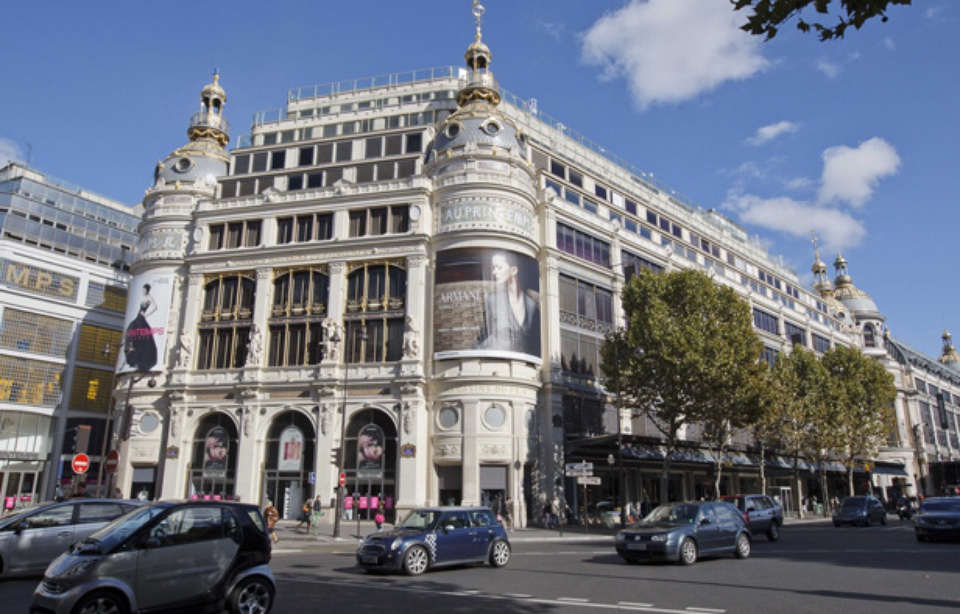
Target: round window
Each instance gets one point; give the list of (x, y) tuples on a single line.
[(492, 128), (453, 130), (494, 416), (149, 422), (449, 417), (183, 165)]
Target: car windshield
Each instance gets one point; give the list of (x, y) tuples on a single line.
[(942, 506), (681, 512), (123, 527), (420, 519), (852, 502)]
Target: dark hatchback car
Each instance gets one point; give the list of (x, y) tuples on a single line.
[(860, 511), (764, 516), (938, 518), (436, 537), (171, 555), (683, 532), (31, 539)]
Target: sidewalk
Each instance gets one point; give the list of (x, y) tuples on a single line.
[(349, 535)]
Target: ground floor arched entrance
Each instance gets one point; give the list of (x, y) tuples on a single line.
[(290, 453)]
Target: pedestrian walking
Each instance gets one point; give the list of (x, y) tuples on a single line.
[(271, 515), (316, 513), (381, 515), (304, 515)]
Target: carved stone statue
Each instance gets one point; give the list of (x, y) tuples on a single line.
[(411, 339), (255, 347), (186, 349), (334, 338)]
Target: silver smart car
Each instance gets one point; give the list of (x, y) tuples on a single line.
[(171, 555), (31, 539)]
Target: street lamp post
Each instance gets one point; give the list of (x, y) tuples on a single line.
[(622, 469), (341, 456)]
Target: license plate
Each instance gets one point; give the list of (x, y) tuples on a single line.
[(635, 546), (370, 560)]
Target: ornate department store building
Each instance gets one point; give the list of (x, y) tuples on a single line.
[(407, 279)]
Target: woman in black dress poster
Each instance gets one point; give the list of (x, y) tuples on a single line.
[(140, 348)]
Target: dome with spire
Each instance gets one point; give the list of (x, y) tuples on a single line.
[(950, 357), (855, 299), (205, 158), (478, 122)]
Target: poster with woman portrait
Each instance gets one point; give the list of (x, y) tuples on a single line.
[(216, 446), (370, 443), (291, 449), (487, 303), (144, 335)]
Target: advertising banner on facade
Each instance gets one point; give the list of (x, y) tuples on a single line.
[(370, 452), (148, 311), (487, 303), (215, 447), (291, 449)]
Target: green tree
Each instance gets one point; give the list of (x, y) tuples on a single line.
[(865, 394), (807, 416), (768, 15), (686, 356)]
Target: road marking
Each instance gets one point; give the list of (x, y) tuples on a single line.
[(559, 601), (631, 604), (517, 595)]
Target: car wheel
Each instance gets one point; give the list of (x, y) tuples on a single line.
[(688, 552), (500, 554), (415, 561), (742, 550), (253, 595), (773, 533), (101, 602)]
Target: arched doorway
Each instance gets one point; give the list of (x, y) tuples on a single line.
[(213, 458), (371, 464), (290, 454)]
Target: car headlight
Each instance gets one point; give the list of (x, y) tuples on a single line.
[(78, 569), (395, 544), (621, 537), (660, 538)]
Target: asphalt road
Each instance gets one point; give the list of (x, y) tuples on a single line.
[(814, 568)]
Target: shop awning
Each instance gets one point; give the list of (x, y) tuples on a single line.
[(896, 470)]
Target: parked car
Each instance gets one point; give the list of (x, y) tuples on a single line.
[(171, 555), (861, 511), (683, 532), (938, 517), (29, 540), (762, 514), (436, 537)]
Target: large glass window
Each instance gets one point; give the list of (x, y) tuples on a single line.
[(766, 322), (234, 234), (225, 321), (300, 300), (30, 332), (582, 245), (380, 221), (376, 301), (795, 334), (586, 316)]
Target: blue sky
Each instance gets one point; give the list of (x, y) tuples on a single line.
[(854, 140)]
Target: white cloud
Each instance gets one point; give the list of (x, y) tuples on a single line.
[(9, 152), (837, 230), (553, 30), (669, 51), (851, 174), (830, 69), (889, 44), (772, 131)]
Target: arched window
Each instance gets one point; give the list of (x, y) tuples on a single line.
[(869, 336), (300, 299), (225, 321), (375, 310)]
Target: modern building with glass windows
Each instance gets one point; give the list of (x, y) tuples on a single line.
[(65, 255), (401, 284)]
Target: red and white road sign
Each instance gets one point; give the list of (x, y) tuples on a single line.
[(113, 459), (343, 479), (80, 463)]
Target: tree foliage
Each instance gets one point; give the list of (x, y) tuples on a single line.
[(865, 394), (689, 355), (768, 15)]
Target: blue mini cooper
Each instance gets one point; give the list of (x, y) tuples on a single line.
[(436, 537)]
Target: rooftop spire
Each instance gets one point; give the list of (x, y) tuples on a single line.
[(822, 283), (481, 86), (209, 123), (950, 356)]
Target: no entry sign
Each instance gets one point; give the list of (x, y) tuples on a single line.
[(110, 466), (80, 463)]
